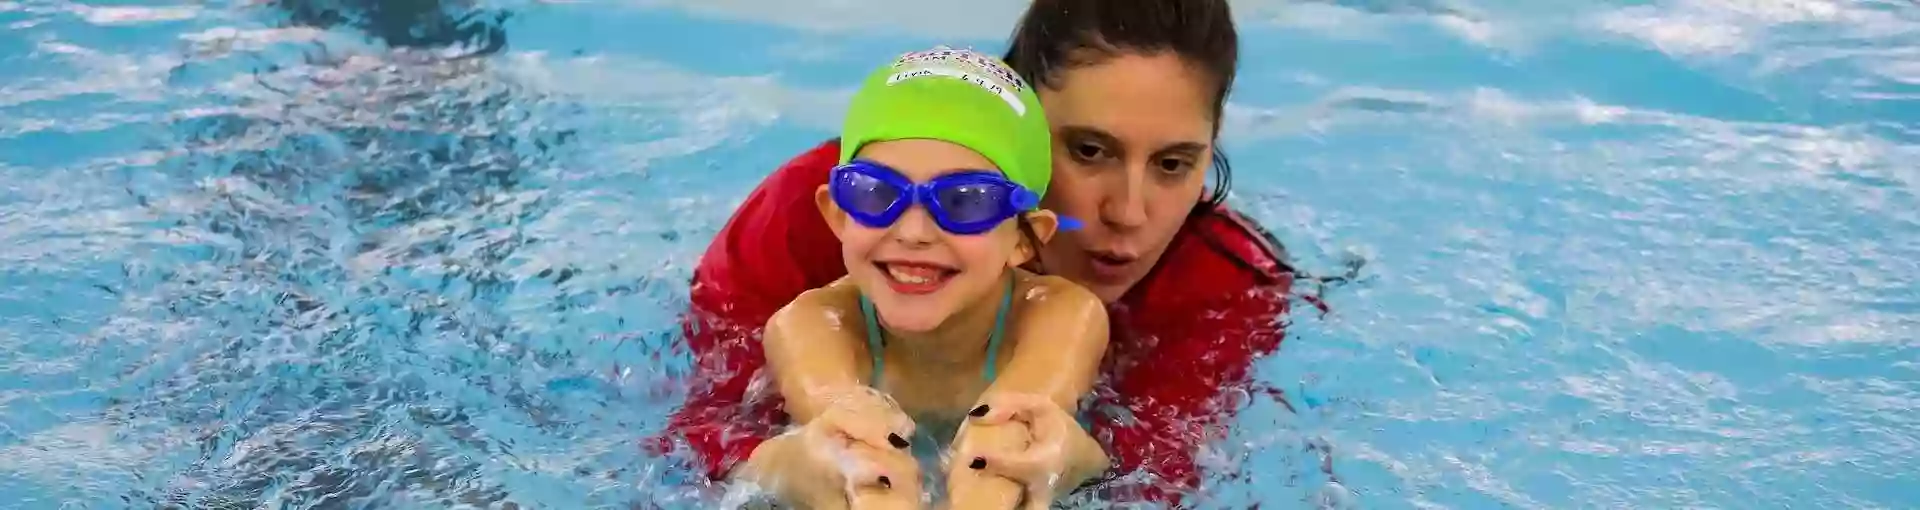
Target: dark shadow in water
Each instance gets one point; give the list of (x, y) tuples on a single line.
[(406, 23), (355, 236)]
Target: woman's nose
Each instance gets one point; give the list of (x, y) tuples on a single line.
[(1126, 204)]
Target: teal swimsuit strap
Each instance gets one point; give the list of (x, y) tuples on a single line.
[(993, 339), (999, 326), (873, 338)]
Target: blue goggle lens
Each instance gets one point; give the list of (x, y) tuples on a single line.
[(865, 194), (972, 203)]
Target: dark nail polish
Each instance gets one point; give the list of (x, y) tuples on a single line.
[(884, 482), (978, 463), (978, 411), (897, 441)]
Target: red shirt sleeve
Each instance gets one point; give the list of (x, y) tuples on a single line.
[(773, 248), (1211, 310)]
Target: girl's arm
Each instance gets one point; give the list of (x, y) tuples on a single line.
[(1062, 336), (776, 458), (1061, 339), (814, 348), (813, 361), (766, 256)]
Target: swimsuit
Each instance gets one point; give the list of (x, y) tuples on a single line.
[(875, 341), (993, 345)]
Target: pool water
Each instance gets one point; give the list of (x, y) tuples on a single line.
[(404, 254)]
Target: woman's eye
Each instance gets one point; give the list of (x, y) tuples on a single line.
[(1174, 165), (1088, 151)]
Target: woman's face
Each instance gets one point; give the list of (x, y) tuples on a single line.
[(1132, 146)]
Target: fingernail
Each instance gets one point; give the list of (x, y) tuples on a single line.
[(898, 442), (978, 463), (978, 411), (884, 482)]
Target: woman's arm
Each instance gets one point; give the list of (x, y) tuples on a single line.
[(1061, 339), (1210, 336), (722, 421), (1213, 349)]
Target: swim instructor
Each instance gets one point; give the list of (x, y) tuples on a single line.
[(1134, 90)]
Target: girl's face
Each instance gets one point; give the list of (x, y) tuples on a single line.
[(1132, 146), (916, 274)]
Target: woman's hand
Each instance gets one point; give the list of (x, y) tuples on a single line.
[(853, 455), (1058, 456)]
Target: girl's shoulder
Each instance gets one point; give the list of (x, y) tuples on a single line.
[(1054, 294), (834, 299)]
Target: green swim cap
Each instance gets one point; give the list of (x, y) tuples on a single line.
[(957, 96)]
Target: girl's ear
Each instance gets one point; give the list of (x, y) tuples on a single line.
[(829, 211), (1036, 229)]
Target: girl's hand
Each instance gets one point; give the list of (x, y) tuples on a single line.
[(1058, 456), (853, 455)]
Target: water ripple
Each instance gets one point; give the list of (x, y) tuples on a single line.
[(341, 254)]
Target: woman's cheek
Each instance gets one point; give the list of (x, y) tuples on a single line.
[(1074, 195)]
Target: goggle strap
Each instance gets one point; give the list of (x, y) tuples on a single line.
[(1067, 223)]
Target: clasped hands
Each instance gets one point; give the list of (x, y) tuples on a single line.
[(855, 454)]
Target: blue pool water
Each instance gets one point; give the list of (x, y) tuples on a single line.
[(399, 254)]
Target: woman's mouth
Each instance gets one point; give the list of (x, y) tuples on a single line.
[(916, 278), (1109, 266)]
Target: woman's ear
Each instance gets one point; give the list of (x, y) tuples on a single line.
[(829, 211), (1038, 227)]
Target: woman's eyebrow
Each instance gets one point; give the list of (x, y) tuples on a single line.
[(1187, 148), (1088, 132)]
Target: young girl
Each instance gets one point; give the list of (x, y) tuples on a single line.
[(945, 155)]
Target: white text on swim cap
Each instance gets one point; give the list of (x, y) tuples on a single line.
[(970, 59), (983, 82)]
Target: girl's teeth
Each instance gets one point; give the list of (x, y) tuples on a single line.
[(909, 276)]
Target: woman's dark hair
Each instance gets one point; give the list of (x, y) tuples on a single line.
[(1058, 35)]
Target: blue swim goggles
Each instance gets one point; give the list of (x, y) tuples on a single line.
[(963, 203)]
